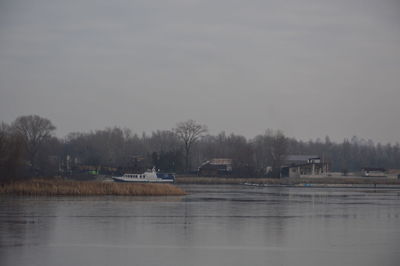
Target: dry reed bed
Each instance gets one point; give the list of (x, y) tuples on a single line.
[(287, 181), (88, 188)]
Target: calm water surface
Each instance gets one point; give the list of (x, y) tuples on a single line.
[(213, 225)]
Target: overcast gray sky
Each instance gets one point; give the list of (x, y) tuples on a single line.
[(308, 67)]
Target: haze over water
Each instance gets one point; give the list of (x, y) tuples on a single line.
[(310, 68), (212, 225)]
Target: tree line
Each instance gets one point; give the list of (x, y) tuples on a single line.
[(28, 148)]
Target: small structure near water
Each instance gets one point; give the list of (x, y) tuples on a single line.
[(216, 167), (304, 166), (373, 172)]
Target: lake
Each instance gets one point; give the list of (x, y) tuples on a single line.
[(212, 225)]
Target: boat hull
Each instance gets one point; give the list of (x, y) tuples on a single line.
[(131, 180)]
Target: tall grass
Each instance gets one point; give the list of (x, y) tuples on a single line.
[(46, 187)]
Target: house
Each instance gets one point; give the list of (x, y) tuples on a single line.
[(215, 167), (304, 166), (373, 172)]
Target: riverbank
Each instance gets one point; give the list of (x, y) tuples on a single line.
[(288, 181), (47, 187)]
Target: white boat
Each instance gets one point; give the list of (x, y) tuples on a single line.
[(150, 176)]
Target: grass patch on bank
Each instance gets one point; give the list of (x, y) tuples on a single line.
[(287, 181), (47, 187)]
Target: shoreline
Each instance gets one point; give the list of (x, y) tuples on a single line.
[(292, 182), (49, 187), (59, 187), (311, 185)]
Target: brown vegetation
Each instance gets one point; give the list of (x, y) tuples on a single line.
[(47, 187), (287, 181)]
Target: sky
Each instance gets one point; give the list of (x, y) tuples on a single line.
[(310, 68)]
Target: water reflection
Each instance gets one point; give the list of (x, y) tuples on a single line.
[(213, 225)]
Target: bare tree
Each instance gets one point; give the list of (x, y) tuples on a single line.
[(3, 140), (10, 153), (278, 152), (189, 132), (163, 141), (34, 131), (271, 150)]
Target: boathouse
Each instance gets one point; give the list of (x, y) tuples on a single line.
[(373, 172), (215, 167), (304, 166)]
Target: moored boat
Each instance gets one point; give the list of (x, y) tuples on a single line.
[(150, 176)]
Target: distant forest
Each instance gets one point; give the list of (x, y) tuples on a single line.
[(29, 148)]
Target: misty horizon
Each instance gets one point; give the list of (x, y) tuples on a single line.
[(309, 68)]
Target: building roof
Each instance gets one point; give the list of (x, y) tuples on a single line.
[(373, 169), (297, 158), (221, 161), (217, 161)]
